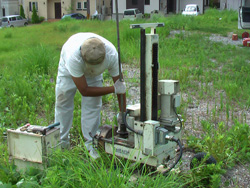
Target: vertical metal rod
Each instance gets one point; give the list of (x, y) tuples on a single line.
[(155, 82), (143, 76), (118, 40), (123, 130)]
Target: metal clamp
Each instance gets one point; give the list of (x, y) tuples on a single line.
[(146, 25)]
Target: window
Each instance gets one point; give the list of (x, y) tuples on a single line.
[(80, 16), (4, 19), (137, 11), (13, 19), (134, 2), (147, 2), (79, 5), (19, 18), (129, 12), (31, 6), (85, 5)]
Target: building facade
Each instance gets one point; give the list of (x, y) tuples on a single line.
[(9, 7), (55, 9)]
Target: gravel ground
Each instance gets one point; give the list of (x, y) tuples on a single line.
[(239, 175), (226, 40)]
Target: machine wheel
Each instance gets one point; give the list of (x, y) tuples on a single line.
[(25, 24), (12, 26), (198, 158), (105, 132)]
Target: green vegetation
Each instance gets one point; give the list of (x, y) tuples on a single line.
[(206, 69), (22, 11), (35, 17)]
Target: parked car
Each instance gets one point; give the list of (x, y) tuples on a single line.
[(132, 14), (191, 9), (14, 21), (76, 16)]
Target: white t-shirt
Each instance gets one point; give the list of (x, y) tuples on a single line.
[(72, 59)]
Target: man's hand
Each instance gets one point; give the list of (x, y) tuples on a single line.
[(120, 87), (119, 118), (121, 97)]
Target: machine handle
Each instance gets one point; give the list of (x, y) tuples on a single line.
[(53, 125)]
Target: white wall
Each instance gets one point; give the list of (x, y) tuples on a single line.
[(121, 6), (154, 5), (1, 9), (51, 9), (233, 4), (223, 4), (11, 7)]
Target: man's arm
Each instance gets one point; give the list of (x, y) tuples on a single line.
[(85, 90), (120, 96)]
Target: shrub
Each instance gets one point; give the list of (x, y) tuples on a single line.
[(22, 11), (8, 35), (35, 18), (41, 19), (146, 15)]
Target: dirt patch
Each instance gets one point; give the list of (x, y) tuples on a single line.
[(226, 40), (214, 37)]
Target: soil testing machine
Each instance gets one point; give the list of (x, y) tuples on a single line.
[(152, 129)]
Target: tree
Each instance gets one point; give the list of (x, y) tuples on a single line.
[(35, 18), (22, 11), (211, 3)]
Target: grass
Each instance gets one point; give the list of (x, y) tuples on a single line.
[(29, 58)]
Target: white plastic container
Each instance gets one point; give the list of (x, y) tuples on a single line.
[(29, 149)]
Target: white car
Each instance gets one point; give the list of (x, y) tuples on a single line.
[(132, 14), (191, 9), (14, 21)]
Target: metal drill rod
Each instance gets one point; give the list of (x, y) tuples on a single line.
[(143, 76), (123, 130), (118, 40)]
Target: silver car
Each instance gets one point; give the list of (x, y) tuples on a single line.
[(132, 14), (191, 9), (14, 21)]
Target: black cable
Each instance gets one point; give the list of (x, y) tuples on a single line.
[(126, 124), (178, 159)]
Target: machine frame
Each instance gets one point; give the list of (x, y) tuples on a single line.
[(151, 139)]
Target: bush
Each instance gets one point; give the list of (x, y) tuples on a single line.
[(35, 18), (41, 19), (146, 15), (22, 11)]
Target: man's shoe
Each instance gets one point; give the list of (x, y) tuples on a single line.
[(94, 154)]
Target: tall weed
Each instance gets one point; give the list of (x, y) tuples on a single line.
[(38, 60), (226, 145)]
